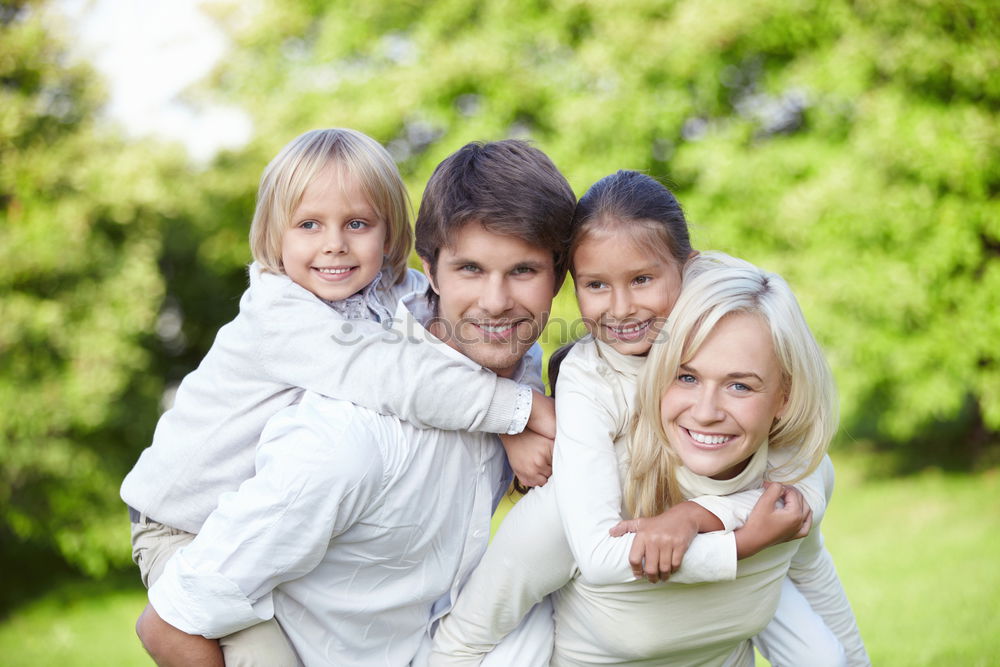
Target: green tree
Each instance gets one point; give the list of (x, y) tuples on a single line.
[(80, 290), (851, 146)]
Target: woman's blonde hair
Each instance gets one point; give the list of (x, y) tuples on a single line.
[(287, 176), (715, 286)]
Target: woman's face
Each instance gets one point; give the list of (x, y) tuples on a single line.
[(720, 406), (625, 292)]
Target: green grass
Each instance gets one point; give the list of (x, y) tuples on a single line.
[(919, 557), (78, 624)]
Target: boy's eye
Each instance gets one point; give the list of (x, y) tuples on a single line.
[(357, 224)]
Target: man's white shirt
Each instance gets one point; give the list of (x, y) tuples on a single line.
[(356, 532)]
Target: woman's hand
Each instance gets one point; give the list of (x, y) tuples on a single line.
[(530, 456), (781, 515), (661, 541)]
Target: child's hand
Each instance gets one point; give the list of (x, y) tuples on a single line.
[(543, 416), (772, 522), (661, 541), (530, 456)]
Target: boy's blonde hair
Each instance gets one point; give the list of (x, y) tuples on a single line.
[(716, 286), (287, 176)]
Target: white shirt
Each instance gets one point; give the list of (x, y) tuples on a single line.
[(285, 341), (603, 615), (356, 532)]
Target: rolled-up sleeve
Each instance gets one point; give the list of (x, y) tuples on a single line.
[(318, 467)]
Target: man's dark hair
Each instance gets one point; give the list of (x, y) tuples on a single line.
[(509, 187)]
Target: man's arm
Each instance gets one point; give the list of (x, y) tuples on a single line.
[(318, 467), (170, 647)]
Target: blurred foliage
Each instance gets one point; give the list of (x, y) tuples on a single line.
[(81, 214), (852, 146)]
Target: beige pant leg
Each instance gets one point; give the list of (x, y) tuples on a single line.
[(153, 544), (261, 645)]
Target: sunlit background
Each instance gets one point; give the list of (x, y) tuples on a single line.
[(852, 146)]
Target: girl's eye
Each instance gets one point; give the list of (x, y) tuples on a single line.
[(357, 224), (309, 224), (642, 280), (595, 284)]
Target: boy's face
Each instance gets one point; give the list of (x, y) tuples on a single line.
[(495, 293), (335, 242)]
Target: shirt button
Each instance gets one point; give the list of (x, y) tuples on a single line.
[(482, 468)]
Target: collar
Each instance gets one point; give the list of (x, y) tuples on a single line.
[(693, 485)]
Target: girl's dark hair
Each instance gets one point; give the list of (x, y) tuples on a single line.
[(628, 196)]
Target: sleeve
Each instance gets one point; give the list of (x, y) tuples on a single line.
[(813, 572), (527, 559), (816, 487), (585, 473), (383, 367), (588, 490), (315, 477)]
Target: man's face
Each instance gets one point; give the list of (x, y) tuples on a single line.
[(495, 293)]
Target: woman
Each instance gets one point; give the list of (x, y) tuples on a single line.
[(740, 375)]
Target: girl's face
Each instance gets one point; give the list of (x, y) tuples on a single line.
[(334, 244), (720, 407), (625, 292)]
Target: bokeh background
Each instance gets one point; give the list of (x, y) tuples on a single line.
[(852, 146)]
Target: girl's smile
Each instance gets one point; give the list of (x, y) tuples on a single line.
[(625, 291)]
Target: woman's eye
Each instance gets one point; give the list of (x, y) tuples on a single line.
[(686, 378), (357, 224), (739, 386)]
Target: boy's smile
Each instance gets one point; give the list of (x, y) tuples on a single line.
[(335, 241)]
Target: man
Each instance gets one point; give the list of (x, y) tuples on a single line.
[(359, 528)]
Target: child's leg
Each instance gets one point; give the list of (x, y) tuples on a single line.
[(530, 644), (152, 546), (261, 645), (264, 644), (528, 559), (797, 635)]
